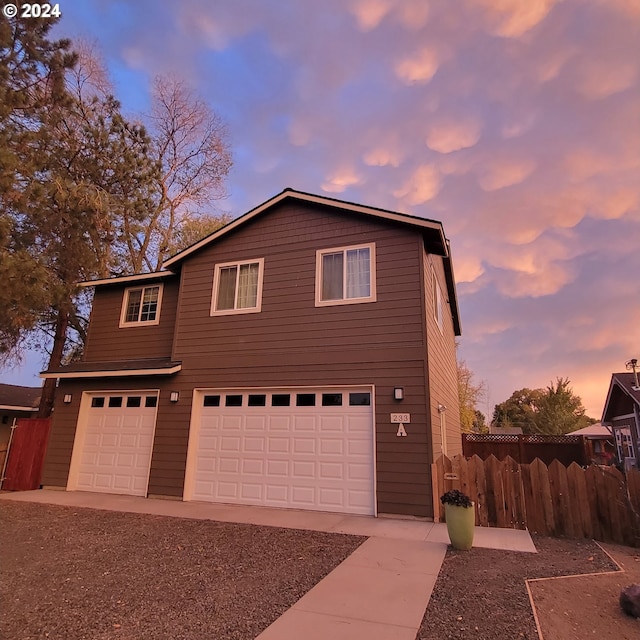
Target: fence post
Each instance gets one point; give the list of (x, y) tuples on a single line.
[(521, 449)]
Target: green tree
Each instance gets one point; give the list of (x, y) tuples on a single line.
[(470, 395), (88, 166), (32, 81), (551, 411)]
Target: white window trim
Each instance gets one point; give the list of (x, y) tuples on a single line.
[(125, 302), (438, 306), (332, 303), (216, 283)]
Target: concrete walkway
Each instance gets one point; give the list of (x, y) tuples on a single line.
[(380, 591)]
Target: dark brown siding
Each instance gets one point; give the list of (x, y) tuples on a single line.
[(291, 342), (109, 342), (441, 359)]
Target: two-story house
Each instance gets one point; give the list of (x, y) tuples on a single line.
[(302, 356)]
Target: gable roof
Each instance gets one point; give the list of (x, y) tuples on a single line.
[(593, 431), (432, 229), (16, 397), (435, 241), (622, 392)]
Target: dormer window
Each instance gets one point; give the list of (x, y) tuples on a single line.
[(141, 306)]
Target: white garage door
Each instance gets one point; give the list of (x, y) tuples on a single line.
[(115, 443), (302, 448)]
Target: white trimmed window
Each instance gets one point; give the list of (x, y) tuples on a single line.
[(346, 275), (141, 306), (237, 287), (437, 301)]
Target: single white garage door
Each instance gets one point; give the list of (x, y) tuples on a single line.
[(115, 443), (302, 448)]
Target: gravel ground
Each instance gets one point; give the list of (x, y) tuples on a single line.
[(481, 594), (86, 574)]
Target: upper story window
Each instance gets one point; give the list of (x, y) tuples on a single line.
[(346, 275), (141, 306), (237, 287), (437, 302)]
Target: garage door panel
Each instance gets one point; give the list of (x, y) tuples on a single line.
[(117, 445), (285, 449)]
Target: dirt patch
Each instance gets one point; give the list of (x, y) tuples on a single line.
[(86, 574), (580, 607), (481, 594)]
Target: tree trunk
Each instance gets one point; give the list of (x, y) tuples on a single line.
[(49, 388)]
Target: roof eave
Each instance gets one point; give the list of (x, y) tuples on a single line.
[(437, 240)]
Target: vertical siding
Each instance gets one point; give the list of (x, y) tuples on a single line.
[(441, 358), (106, 341)]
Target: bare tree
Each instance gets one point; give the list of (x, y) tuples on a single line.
[(190, 144)]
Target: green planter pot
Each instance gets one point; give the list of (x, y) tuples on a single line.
[(460, 523)]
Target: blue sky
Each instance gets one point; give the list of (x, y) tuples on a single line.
[(515, 122)]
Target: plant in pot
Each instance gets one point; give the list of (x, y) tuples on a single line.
[(460, 517)]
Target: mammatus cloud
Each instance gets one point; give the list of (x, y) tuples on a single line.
[(340, 180), (452, 135), (513, 18), (419, 67), (504, 172), (421, 187), (514, 122)]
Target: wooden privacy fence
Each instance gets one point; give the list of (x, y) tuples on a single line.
[(597, 502), (526, 448), (25, 457)]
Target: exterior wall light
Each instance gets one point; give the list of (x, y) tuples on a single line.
[(398, 393), (174, 396), (67, 398)]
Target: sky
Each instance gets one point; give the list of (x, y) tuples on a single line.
[(514, 122)]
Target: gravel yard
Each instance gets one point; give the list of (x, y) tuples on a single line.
[(481, 594), (76, 574)]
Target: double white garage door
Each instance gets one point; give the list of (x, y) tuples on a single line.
[(305, 448)]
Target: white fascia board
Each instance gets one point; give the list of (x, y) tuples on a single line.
[(123, 373), (307, 197), (12, 407), (156, 275)]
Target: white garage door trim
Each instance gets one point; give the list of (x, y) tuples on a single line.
[(196, 421), (75, 468)]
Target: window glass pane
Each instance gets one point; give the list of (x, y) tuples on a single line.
[(233, 401), (280, 400), (227, 288), (149, 304), (115, 401), (211, 401), (358, 273), (248, 286), (133, 305), (306, 400), (331, 399), (257, 400), (150, 401), (359, 399), (133, 401), (332, 274), (97, 402)]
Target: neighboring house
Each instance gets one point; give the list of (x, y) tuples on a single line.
[(16, 402), (600, 443), (622, 414), (263, 364)]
